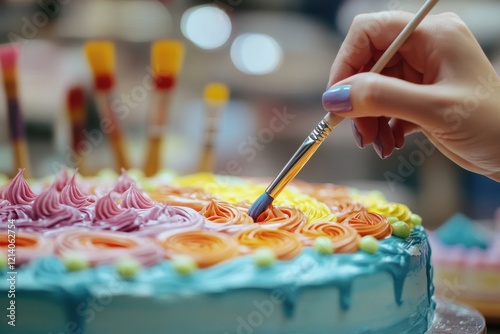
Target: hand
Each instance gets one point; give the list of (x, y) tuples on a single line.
[(440, 83)]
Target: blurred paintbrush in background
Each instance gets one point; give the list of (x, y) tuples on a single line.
[(77, 113), (216, 96), (9, 55), (166, 60), (101, 57)]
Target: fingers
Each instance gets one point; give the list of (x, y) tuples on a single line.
[(368, 36), (374, 95)]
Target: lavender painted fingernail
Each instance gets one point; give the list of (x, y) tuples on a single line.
[(357, 136), (337, 99), (377, 145)]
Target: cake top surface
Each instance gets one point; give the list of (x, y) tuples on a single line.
[(200, 219)]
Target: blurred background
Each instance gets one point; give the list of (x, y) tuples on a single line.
[(274, 55)]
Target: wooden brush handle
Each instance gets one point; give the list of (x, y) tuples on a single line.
[(21, 160), (158, 119), (152, 162), (117, 143)]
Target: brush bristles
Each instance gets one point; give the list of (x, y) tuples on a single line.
[(216, 92), (260, 205), (101, 58), (167, 57), (9, 56)]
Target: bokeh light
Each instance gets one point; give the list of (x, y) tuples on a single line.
[(256, 54), (207, 26)]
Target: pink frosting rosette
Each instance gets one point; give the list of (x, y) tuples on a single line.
[(165, 220), (109, 216)]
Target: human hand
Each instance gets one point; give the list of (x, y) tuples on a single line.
[(440, 82)]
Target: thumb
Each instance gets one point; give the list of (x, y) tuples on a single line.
[(371, 94)]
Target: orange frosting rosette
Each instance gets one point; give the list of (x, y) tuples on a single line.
[(283, 218), (27, 246), (205, 248), (225, 217), (344, 208), (345, 238), (100, 247), (284, 244), (369, 223), (181, 196)]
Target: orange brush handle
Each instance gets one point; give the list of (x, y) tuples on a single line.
[(153, 158), (154, 153), (20, 151), (111, 128)]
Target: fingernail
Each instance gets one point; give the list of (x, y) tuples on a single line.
[(377, 145), (357, 136), (336, 99)]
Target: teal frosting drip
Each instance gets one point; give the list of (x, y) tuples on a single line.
[(461, 230), (310, 269)]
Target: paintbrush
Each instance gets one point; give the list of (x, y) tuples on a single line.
[(101, 58), (77, 113), (216, 96), (330, 121), (166, 60), (9, 55)]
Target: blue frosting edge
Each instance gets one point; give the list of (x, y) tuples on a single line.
[(308, 269)]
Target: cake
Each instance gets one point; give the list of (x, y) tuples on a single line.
[(466, 256), (136, 255)]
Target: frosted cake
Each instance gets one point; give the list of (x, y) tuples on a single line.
[(141, 255)]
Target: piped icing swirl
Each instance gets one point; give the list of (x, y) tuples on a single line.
[(29, 246), (71, 195), (284, 244), (62, 179), (123, 183), (345, 238), (369, 223), (132, 198), (181, 196), (100, 247), (391, 209), (109, 216), (225, 217), (19, 192), (345, 207), (205, 248), (165, 220), (284, 218)]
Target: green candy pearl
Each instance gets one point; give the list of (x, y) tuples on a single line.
[(75, 262), (3, 261), (368, 244), (392, 219), (323, 245), (127, 268), (415, 219), (264, 257), (401, 229), (184, 265)]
